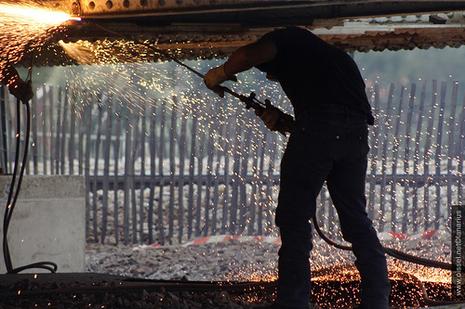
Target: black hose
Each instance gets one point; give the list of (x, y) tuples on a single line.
[(400, 256), (14, 192), (390, 251), (9, 207)]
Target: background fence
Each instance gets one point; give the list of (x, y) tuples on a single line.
[(169, 172)]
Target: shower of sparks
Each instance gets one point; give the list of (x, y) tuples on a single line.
[(338, 267), (24, 28), (113, 77), (140, 88), (332, 268)]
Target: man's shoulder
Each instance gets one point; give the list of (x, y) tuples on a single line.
[(292, 31), (294, 36)]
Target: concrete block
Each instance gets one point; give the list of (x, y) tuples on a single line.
[(48, 222)]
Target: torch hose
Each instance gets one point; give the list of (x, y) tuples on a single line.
[(390, 251), (14, 192), (400, 256), (9, 207)]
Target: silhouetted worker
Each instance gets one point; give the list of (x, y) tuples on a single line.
[(329, 142), (17, 87)]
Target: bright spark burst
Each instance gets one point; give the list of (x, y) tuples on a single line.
[(33, 15), (25, 27)]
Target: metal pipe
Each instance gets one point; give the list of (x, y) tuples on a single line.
[(250, 11)]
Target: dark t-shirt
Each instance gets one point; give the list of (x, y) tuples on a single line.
[(314, 73)]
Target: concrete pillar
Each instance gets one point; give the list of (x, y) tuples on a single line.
[(48, 222)]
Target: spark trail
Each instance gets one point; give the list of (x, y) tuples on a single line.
[(113, 68)]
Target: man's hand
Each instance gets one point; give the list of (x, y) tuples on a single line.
[(215, 77), (270, 117), (275, 119), (21, 90)]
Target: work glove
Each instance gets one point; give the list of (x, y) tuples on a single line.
[(215, 77), (21, 90), (275, 119)]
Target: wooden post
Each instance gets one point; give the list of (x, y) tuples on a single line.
[(261, 169), (451, 141), (72, 132), (373, 156), (395, 157), (190, 206), (152, 145), (142, 183), (384, 157), (135, 150), (87, 166), (427, 155), (96, 167), (272, 148), (237, 133), (406, 183), (244, 209), (209, 170), (182, 155), (416, 156), (438, 154), (255, 184), (221, 127), (198, 210), (127, 171), (161, 224), (172, 166), (106, 171), (34, 145), (116, 172), (64, 125), (82, 129), (227, 180), (51, 142), (57, 143), (460, 148)]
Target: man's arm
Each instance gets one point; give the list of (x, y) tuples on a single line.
[(249, 56), (244, 59), (240, 60)]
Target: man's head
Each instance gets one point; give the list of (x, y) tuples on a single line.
[(269, 69)]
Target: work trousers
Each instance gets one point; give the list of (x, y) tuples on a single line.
[(335, 151)]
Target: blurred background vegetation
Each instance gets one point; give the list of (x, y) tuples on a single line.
[(406, 66)]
